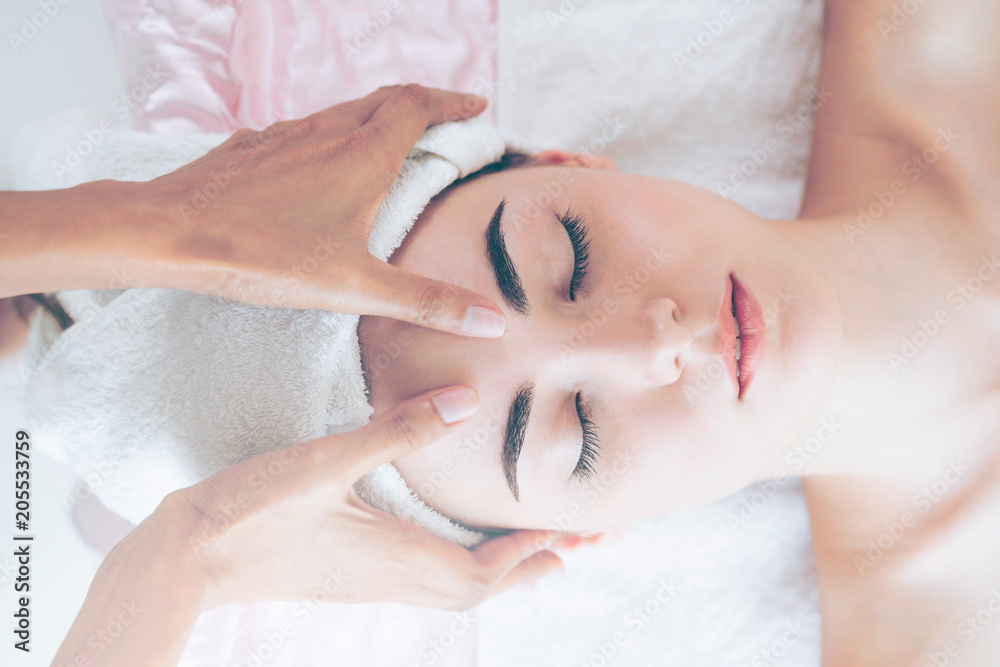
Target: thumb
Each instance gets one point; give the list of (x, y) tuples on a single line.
[(432, 303), (412, 424)]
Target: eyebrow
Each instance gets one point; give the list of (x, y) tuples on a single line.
[(512, 291), (513, 435), (508, 282)]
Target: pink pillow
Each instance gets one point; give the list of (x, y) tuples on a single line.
[(216, 66)]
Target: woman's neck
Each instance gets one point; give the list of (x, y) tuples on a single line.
[(910, 394)]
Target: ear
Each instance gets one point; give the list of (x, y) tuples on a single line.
[(588, 160)]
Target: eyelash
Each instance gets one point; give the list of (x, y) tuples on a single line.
[(588, 454), (581, 250)]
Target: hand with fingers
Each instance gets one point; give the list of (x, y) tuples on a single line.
[(287, 525), (304, 512), (318, 179), (276, 196)]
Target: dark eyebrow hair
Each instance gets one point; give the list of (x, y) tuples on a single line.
[(513, 434), (508, 282)]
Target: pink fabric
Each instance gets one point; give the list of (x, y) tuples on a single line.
[(225, 64)]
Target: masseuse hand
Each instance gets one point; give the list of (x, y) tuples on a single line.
[(279, 217), (291, 226), (302, 520), (287, 525)]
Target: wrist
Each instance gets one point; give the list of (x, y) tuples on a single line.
[(96, 235), (148, 582), (129, 235), (161, 553), (190, 537)]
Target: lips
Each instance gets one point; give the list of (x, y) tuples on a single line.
[(729, 328), (750, 319), (748, 323)]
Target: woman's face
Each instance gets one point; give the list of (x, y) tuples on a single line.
[(634, 343)]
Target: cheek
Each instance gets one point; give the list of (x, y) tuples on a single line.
[(429, 470), (458, 475)]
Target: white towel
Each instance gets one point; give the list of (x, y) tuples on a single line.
[(152, 390)]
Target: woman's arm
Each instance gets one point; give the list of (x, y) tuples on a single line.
[(901, 77)]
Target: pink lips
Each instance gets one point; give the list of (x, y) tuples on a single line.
[(750, 325), (752, 334)]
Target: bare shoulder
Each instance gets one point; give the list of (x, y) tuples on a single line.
[(913, 96), (905, 575)]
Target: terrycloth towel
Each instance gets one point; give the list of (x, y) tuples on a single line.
[(152, 390)]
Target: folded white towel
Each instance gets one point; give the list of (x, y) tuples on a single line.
[(152, 390)]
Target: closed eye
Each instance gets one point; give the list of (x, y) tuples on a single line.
[(589, 449), (577, 231)]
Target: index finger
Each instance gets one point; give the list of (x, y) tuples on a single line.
[(407, 113)]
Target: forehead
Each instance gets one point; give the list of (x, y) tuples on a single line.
[(632, 200)]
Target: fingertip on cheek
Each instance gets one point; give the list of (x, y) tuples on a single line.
[(483, 322), (456, 404)]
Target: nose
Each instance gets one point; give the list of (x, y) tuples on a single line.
[(643, 340)]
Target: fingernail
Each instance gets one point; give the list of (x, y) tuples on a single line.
[(456, 404), (483, 322)]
